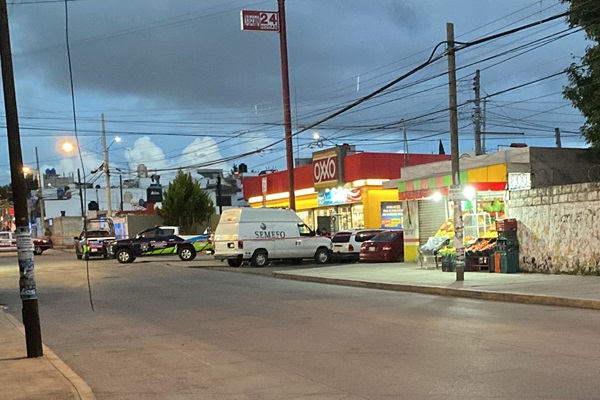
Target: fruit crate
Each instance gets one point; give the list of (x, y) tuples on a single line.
[(477, 263), (507, 224)]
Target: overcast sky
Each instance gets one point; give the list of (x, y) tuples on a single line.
[(183, 85)]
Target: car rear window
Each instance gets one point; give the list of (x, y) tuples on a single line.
[(341, 237), (364, 236), (385, 236)]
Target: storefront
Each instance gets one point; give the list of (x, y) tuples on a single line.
[(340, 189), (426, 203)]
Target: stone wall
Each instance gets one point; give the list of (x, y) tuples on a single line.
[(559, 228)]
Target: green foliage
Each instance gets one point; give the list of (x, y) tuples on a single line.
[(185, 204), (584, 79), (6, 192)]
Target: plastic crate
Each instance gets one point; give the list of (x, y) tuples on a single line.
[(507, 224), (507, 244), (510, 235)]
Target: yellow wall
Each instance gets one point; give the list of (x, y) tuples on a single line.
[(305, 202), (372, 198), (493, 173)]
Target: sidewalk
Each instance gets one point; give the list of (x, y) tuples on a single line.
[(553, 290), (40, 378)]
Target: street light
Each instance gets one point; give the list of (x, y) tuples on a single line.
[(106, 167)]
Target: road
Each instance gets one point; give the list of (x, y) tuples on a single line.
[(165, 329)]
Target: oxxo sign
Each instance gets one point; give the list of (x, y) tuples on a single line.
[(327, 167)]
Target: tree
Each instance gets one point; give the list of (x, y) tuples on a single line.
[(185, 204), (584, 79)]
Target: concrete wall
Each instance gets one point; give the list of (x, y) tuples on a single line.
[(559, 228), (553, 166), (64, 229)]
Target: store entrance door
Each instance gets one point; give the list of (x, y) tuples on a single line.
[(325, 223)]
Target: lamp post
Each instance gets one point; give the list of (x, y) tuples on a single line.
[(106, 167), (40, 192)]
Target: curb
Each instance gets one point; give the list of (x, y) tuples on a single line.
[(451, 292), (83, 390)]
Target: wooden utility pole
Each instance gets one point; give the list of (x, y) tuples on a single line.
[(557, 136), (287, 118), (458, 220), (27, 285), (477, 119)]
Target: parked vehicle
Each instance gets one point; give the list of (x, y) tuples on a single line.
[(93, 240), (258, 235), (8, 242), (158, 241), (387, 246), (346, 244)]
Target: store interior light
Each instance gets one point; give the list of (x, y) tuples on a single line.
[(469, 192)]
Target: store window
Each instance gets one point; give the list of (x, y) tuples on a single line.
[(358, 217)]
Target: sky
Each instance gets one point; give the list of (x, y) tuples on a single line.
[(185, 87)]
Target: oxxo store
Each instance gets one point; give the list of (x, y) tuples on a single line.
[(339, 189)]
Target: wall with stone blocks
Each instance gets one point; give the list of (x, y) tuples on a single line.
[(559, 228)]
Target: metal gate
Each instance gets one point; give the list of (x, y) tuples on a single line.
[(432, 214)]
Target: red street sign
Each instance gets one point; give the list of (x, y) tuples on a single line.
[(260, 20)]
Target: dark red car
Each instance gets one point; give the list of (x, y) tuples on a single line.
[(387, 246)]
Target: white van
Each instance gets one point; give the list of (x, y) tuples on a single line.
[(260, 234)]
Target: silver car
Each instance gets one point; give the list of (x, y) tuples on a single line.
[(346, 244)]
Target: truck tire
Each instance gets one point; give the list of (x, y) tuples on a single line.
[(322, 256), (259, 259), (234, 262), (124, 256), (186, 253)]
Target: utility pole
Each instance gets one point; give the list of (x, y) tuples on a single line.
[(477, 119), (40, 191), (287, 118), (219, 198), (483, 125), (406, 159), (27, 285), (557, 136), (106, 170), (458, 220)]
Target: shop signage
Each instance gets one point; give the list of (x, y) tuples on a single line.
[(519, 181), (391, 215), (339, 196), (260, 20), (328, 167), (456, 192)]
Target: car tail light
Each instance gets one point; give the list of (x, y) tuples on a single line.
[(350, 248), (240, 244), (387, 248)]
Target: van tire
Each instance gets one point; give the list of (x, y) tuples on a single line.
[(322, 256), (234, 262), (186, 253), (400, 258), (259, 259)]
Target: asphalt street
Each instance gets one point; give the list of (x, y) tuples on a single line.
[(161, 328)]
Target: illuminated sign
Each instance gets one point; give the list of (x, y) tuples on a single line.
[(328, 167)]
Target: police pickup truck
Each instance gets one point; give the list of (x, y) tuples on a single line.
[(156, 241)]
